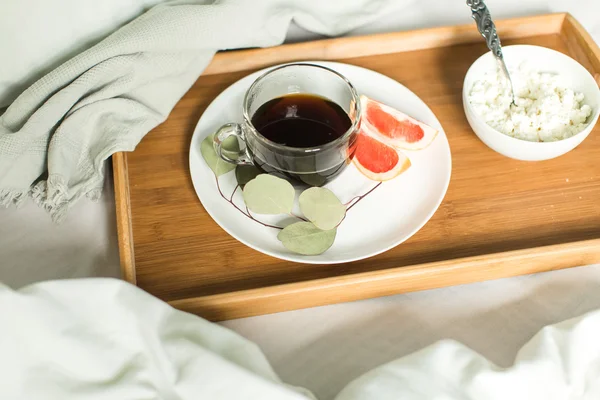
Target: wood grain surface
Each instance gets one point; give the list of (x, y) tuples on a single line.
[(500, 217)]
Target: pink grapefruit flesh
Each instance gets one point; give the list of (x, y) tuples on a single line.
[(394, 127), (376, 160)]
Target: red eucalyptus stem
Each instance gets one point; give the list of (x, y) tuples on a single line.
[(361, 197), (232, 194)]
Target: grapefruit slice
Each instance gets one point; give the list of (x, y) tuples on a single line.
[(376, 160), (394, 127)]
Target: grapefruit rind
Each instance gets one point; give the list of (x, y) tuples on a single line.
[(398, 142), (402, 166)]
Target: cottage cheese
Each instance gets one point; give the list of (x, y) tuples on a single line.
[(545, 109)]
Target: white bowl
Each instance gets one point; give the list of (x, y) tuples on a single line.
[(573, 74)]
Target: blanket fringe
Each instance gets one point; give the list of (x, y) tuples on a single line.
[(94, 194), (51, 194), (10, 197)]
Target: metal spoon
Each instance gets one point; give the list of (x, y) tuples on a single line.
[(486, 27)]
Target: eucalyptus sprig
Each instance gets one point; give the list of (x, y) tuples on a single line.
[(267, 194), (262, 193)]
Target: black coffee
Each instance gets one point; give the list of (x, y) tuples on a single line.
[(301, 120)]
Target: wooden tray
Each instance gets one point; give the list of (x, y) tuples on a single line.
[(500, 217)]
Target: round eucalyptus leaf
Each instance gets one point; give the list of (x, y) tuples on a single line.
[(214, 162), (305, 238), (267, 194), (231, 147), (245, 173), (322, 207)]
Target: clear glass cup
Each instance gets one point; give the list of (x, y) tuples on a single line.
[(313, 166)]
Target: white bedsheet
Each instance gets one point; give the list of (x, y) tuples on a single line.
[(104, 339)]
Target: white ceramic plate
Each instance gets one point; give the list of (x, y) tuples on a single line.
[(382, 220)]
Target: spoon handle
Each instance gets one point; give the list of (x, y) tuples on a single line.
[(486, 26)]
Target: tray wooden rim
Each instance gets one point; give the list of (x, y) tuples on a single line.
[(405, 279), (390, 281)]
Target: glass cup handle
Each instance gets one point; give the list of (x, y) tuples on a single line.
[(222, 134)]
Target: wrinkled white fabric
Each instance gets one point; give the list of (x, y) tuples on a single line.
[(55, 137), (105, 339), (562, 362)]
